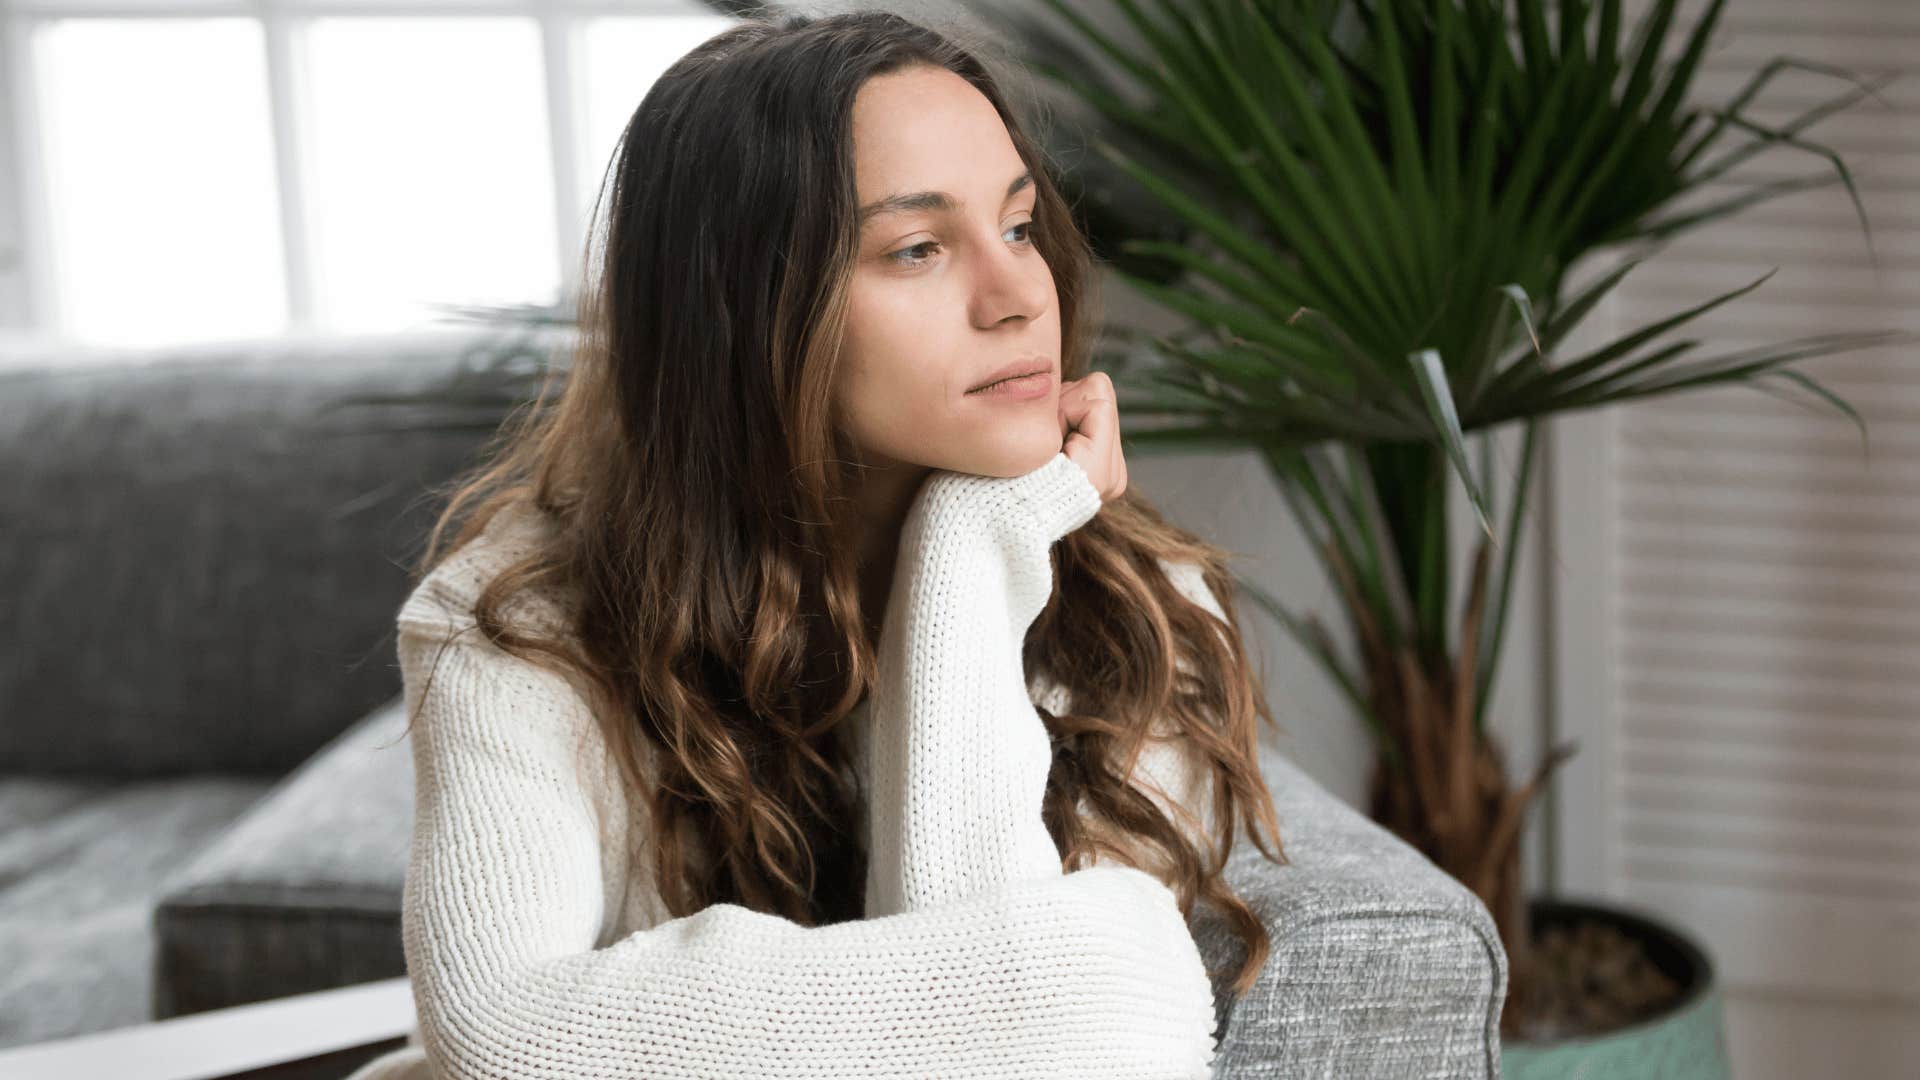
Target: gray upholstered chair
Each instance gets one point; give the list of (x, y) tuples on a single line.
[(203, 796)]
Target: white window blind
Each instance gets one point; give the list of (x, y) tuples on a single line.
[(1759, 708)]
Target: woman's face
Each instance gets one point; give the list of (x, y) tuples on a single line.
[(948, 287)]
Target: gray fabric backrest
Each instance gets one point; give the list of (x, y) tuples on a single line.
[(199, 569)]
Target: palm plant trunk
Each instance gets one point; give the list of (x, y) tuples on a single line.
[(1447, 792)]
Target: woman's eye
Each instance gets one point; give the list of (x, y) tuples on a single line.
[(899, 256), (895, 256)]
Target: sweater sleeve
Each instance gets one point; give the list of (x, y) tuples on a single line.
[(957, 756), (505, 895)]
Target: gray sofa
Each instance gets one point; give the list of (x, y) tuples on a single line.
[(204, 800)]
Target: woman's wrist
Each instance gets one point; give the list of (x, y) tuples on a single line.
[(1000, 530), (1048, 502)]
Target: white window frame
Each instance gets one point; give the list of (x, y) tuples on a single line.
[(560, 24)]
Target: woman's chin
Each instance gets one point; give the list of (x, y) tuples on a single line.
[(1017, 458)]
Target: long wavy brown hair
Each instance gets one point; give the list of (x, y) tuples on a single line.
[(688, 459)]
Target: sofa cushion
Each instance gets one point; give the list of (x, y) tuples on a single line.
[(302, 892), (81, 862), (203, 556)]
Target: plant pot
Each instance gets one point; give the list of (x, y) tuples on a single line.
[(1684, 1039)]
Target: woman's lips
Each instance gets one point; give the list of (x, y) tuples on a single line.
[(1021, 388)]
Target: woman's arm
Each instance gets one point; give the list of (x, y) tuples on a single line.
[(957, 757), (1058, 976)]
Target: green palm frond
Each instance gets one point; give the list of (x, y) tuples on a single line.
[(1391, 195)]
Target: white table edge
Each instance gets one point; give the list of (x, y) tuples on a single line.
[(219, 1042)]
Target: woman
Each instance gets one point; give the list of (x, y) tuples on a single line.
[(727, 762)]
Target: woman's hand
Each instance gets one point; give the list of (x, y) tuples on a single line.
[(1090, 428)]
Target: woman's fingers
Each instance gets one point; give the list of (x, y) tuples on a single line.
[(1090, 423)]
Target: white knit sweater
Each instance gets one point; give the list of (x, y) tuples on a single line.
[(537, 945)]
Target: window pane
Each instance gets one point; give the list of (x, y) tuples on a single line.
[(623, 55), (431, 167), (163, 211)]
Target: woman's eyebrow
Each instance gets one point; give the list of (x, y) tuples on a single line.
[(937, 201)]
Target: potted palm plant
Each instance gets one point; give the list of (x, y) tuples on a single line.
[(1377, 208)]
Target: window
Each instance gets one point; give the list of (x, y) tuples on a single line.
[(197, 169)]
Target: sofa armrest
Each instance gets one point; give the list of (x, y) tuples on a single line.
[(302, 891), (1383, 965)]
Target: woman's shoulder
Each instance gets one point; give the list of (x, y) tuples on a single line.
[(442, 602), (472, 693), (439, 635)]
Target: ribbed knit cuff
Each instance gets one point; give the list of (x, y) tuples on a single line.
[(1044, 504), (1059, 495)]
